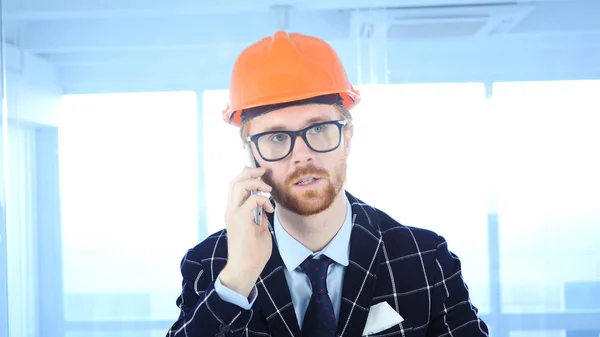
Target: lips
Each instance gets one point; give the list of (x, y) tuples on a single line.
[(306, 180), (306, 176)]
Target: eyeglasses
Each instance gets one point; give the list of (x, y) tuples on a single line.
[(320, 137)]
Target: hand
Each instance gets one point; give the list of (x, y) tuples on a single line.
[(249, 246)]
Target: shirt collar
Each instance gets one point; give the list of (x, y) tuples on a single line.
[(293, 253)]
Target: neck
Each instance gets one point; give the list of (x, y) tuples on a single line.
[(315, 231)]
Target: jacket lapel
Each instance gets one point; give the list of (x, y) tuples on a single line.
[(361, 273), (274, 297)]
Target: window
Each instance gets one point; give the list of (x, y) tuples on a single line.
[(128, 170), (419, 155), (548, 191), (224, 157)]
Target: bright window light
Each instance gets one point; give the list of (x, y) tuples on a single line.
[(128, 181), (546, 138)]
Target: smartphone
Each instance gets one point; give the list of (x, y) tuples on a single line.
[(258, 212)]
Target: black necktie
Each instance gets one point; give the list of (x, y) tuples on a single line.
[(319, 320)]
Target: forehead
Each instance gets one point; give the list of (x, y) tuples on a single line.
[(293, 118)]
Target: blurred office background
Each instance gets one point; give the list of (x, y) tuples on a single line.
[(483, 116)]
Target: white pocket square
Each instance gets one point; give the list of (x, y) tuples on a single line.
[(381, 316)]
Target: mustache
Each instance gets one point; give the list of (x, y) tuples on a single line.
[(304, 171)]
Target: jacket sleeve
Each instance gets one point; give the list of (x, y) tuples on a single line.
[(453, 314), (202, 312)]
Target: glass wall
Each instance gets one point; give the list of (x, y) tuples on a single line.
[(3, 190), (510, 179), (128, 189), (104, 207), (545, 137), (478, 122)]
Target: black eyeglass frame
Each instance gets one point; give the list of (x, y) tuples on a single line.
[(295, 134)]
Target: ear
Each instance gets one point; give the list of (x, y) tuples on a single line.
[(348, 134)]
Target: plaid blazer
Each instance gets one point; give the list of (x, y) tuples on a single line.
[(410, 268)]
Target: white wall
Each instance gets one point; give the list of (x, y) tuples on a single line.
[(33, 89)]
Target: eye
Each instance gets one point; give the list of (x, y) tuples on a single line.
[(278, 137), (317, 129)]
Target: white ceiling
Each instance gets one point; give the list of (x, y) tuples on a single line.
[(132, 45)]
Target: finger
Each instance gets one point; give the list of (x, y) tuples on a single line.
[(246, 174), (255, 201), (268, 207), (265, 222), (242, 190), (249, 173), (254, 184)]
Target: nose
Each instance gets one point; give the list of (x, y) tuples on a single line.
[(301, 153)]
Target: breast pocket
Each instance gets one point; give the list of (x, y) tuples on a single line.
[(257, 333), (403, 329)]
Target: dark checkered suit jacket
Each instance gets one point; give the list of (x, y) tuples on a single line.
[(410, 268)]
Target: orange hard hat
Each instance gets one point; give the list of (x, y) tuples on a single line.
[(284, 68)]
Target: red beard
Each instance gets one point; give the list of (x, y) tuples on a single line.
[(312, 200)]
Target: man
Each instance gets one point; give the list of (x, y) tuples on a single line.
[(322, 263)]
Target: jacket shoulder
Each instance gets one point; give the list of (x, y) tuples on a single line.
[(407, 238), (215, 243), (210, 253), (394, 233)]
